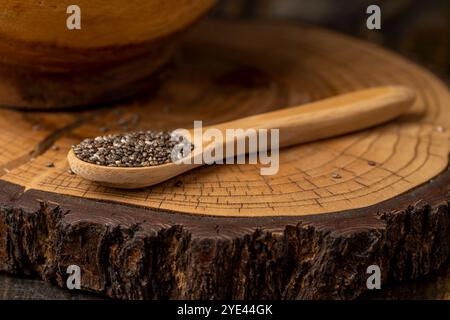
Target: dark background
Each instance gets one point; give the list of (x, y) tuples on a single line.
[(418, 29)]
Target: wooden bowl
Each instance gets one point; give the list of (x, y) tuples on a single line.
[(45, 65)]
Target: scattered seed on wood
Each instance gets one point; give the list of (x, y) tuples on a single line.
[(371, 163), (122, 122), (179, 183), (37, 127), (137, 149), (70, 172), (50, 165), (135, 120), (336, 176), (117, 112), (55, 148)]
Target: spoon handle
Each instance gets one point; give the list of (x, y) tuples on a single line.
[(331, 117)]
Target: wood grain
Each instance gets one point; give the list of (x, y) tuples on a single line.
[(227, 232), (133, 253), (105, 23)]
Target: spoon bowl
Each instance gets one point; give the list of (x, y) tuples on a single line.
[(126, 178)]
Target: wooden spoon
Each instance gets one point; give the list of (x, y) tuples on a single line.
[(318, 120)]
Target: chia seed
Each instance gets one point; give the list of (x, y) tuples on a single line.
[(336, 175), (179, 183), (37, 127), (137, 149), (122, 122), (117, 112), (440, 129)]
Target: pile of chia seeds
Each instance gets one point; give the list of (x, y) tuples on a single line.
[(137, 149)]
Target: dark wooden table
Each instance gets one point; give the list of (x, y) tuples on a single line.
[(432, 287), (13, 288)]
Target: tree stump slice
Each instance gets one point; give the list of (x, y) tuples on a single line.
[(336, 206)]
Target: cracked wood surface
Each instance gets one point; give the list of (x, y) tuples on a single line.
[(300, 234), (135, 253)]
